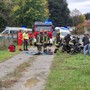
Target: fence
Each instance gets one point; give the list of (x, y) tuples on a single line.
[(5, 42)]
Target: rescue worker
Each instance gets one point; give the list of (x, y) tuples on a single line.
[(46, 41), (25, 38), (34, 37), (39, 42), (57, 42), (67, 39), (86, 44), (50, 40), (30, 37), (20, 40)]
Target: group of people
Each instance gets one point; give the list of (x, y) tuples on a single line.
[(59, 41), (24, 38), (42, 40), (67, 39)]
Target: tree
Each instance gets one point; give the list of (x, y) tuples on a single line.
[(59, 12), (75, 12), (78, 19), (5, 10), (87, 15), (2, 16), (26, 12)]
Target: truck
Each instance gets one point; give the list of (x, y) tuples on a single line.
[(43, 26)]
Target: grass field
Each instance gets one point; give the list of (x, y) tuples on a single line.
[(69, 72), (5, 54)]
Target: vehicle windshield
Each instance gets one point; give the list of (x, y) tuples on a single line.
[(48, 28), (64, 33), (5, 32)]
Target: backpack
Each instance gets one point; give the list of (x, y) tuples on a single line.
[(49, 52), (11, 48)]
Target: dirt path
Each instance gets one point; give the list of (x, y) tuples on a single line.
[(9, 65), (34, 77)]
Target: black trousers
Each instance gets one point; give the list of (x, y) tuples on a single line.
[(39, 48), (30, 41), (25, 44), (56, 49), (45, 45)]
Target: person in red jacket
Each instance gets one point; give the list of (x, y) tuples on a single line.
[(20, 38), (51, 40), (50, 34), (30, 37), (34, 37)]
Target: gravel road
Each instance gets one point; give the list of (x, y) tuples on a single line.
[(34, 77)]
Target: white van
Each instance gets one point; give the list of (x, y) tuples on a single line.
[(12, 31)]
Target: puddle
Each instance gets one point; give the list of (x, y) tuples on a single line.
[(31, 82)]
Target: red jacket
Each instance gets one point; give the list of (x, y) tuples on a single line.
[(20, 38), (50, 34), (20, 35), (35, 34), (30, 35)]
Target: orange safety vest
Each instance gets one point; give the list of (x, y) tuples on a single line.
[(20, 37)]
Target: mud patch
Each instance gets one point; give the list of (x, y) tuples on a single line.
[(7, 83), (31, 82)]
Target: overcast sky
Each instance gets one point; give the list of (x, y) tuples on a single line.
[(82, 5)]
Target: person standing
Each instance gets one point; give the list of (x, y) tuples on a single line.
[(67, 39), (39, 41), (30, 37), (25, 38), (86, 44), (50, 38), (45, 41), (20, 38), (57, 42)]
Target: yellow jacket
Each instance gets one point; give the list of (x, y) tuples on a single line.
[(25, 36)]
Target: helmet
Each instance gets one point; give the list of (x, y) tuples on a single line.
[(45, 31), (40, 31), (68, 34), (58, 32)]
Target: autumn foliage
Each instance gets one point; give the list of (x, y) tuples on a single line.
[(80, 28)]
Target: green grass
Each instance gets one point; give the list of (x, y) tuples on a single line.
[(69, 72), (5, 54)]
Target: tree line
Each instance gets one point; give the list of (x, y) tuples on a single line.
[(26, 12)]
